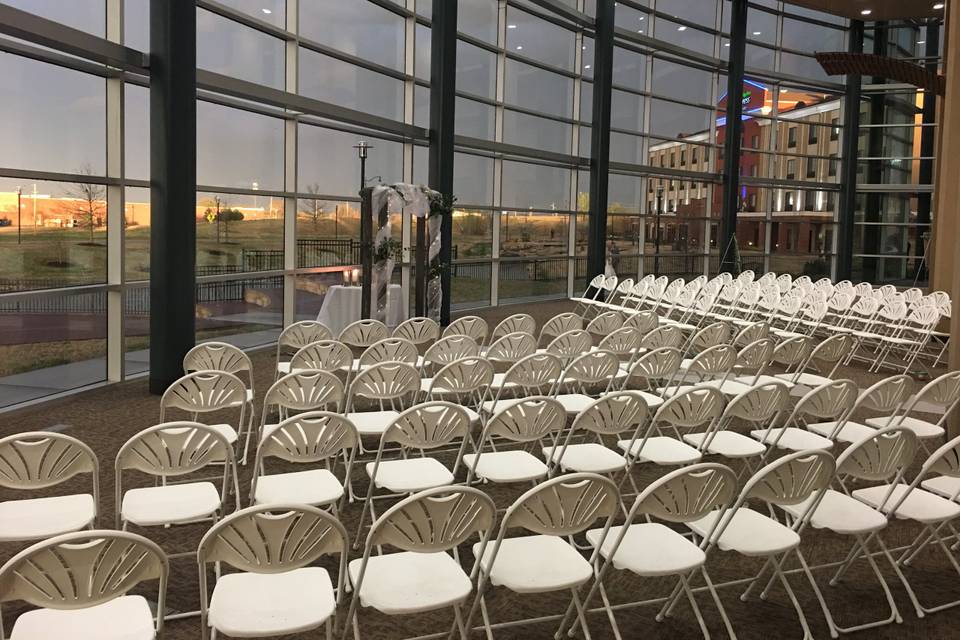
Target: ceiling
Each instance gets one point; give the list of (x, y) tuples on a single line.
[(879, 9)]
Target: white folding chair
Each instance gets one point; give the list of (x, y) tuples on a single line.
[(447, 350), (757, 406), (930, 500), (38, 460), (651, 549), (422, 576), (388, 350), (81, 581), (693, 408), (800, 477), (885, 396), (825, 358), (712, 367), (516, 323), (544, 562), (558, 325), (174, 450), (205, 392), (880, 456), (590, 294), (465, 382), (604, 324), (509, 349), (472, 326), (420, 429), (274, 591), (325, 355), (419, 330), (221, 356), (302, 390), (295, 337), (831, 401), (524, 422), (939, 396), (378, 394), (623, 342), (642, 321), (306, 440), (569, 345), (650, 371), (537, 374), (587, 376), (361, 334)]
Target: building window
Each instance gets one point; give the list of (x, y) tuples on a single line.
[(832, 165), (693, 156), (810, 201), (791, 169), (811, 167), (792, 137), (671, 207), (673, 159), (752, 202), (791, 238), (831, 200), (812, 134), (755, 142), (834, 128), (663, 159), (683, 158), (788, 201)]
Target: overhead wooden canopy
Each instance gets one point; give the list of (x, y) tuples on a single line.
[(837, 63), (879, 9)]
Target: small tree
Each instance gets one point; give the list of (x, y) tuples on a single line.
[(313, 208), (87, 202), (226, 216)]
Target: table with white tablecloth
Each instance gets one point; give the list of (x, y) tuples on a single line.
[(341, 306)]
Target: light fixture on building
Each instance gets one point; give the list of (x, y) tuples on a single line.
[(757, 33), (519, 47), (866, 12), (726, 44), (511, 26), (586, 66), (267, 11), (921, 42), (681, 28), (938, 6), (642, 18)]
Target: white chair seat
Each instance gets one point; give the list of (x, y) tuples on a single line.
[(804, 379), (499, 381), (506, 466), (574, 402), (315, 487), (662, 450), (38, 518), (653, 400), (786, 335), (494, 406), (255, 605), (410, 582), (749, 533), (839, 513), (283, 368), (123, 618), (589, 457), (850, 432), (536, 564), (920, 505), (727, 387), (372, 423), (649, 549), (945, 486), (227, 431), (728, 444), (921, 428), (412, 474), (171, 504), (760, 380), (793, 438)]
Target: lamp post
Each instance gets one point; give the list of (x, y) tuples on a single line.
[(19, 226), (362, 151), (256, 187), (656, 233)]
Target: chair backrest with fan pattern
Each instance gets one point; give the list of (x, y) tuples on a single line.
[(327, 355)]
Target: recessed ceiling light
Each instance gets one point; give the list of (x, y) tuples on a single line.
[(642, 18), (584, 47), (511, 26), (726, 44), (866, 12), (938, 6), (681, 28), (267, 11), (757, 33), (586, 66), (921, 42), (519, 47), (639, 30)]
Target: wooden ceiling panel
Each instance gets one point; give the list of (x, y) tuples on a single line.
[(879, 9)]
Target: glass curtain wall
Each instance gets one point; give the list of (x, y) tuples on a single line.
[(277, 211), (895, 160)]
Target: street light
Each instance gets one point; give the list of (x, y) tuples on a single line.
[(656, 233), (19, 226), (362, 151)]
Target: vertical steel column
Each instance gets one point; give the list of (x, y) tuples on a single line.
[(600, 138), (116, 273), (848, 162), (443, 78), (732, 135), (173, 180), (928, 135), (290, 203), (872, 265)]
